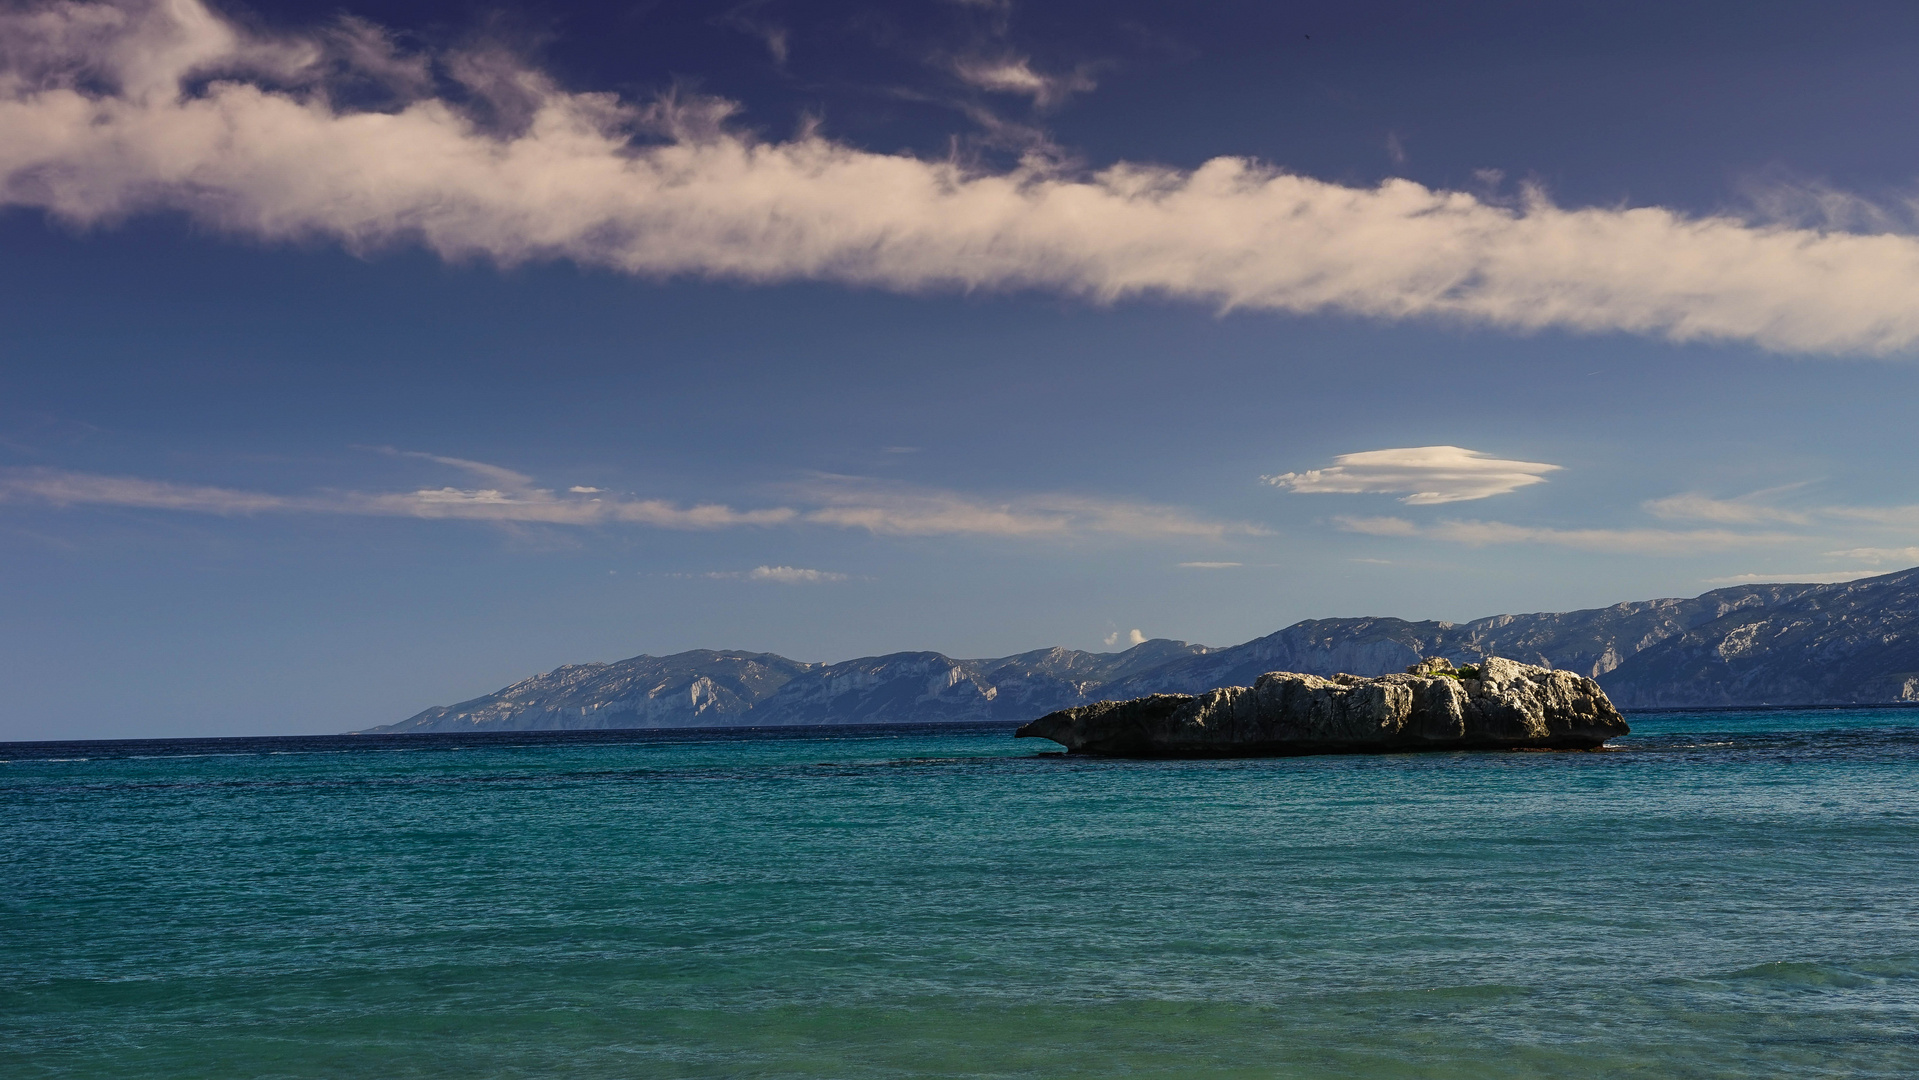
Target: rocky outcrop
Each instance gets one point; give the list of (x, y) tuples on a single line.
[(1500, 705)]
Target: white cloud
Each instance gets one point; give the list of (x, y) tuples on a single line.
[(792, 575), (107, 111), (1748, 510), (1897, 516), (530, 505), (75, 489), (1906, 555), (1131, 638), (837, 501), (1741, 511), (1815, 577), (1427, 475), (1208, 565), (899, 510), (1622, 541), (780, 575), (506, 478), (1015, 75)]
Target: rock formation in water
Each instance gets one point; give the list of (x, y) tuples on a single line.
[(1499, 705)]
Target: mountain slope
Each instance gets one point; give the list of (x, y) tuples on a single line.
[(930, 687), (701, 688), (1591, 642), (1854, 642), (1849, 643), (704, 688)]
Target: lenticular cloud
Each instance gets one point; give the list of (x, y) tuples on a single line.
[(108, 110), (1425, 475)]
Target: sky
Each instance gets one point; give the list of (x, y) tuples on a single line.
[(358, 360)]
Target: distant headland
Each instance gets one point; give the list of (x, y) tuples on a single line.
[(1855, 642)]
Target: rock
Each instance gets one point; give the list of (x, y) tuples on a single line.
[(1509, 706)]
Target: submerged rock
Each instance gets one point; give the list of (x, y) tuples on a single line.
[(1500, 705)]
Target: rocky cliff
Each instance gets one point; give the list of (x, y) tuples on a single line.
[(1856, 642), (1498, 704)]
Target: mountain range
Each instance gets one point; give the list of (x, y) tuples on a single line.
[(1786, 644)]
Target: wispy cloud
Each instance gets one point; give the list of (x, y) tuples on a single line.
[(1016, 75), (1622, 541), (1753, 510), (1813, 577), (1904, 517), (900, 510), (747, 19), (1746, 510), (108, 110), (1130, 638), (1907, 556), (63, 488), (1209, 565), (504, 477), (1425, 475), (835, 501), (779, 575), (518, 504)]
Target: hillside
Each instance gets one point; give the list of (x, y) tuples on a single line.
[(1795, 644)]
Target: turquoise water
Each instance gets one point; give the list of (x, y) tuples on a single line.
[(1723, 895)]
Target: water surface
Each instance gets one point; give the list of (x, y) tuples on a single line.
[(1721, 895)]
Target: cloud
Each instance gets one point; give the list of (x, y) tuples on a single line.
[(136, 107), (1906, 555), (1015, 75), (746, 19), (526, 504), (1429, 474), (1897, 516), (63, 488), (506, 478), (1132, 637), (780, 575), (1741, 511), (1816, 577), (1619, 541), (1395, 149), (899, 510), (1747, 510), (1208, 565), (836, 501)]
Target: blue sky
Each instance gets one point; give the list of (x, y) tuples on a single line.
[(361, 361)]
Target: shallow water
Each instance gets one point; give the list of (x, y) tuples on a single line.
[(1722, 895)]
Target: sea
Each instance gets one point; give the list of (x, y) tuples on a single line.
[(1723, 894)]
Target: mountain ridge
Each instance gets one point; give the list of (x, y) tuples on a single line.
[(1773, 644)]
